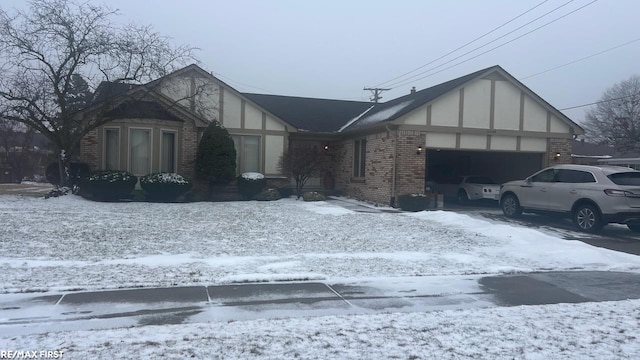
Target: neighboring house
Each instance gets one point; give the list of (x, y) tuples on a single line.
[(591, 154), (484, 123), (18, 162), (585, 153)]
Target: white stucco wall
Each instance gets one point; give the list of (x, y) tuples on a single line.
[(469, 141), (273, 124), (252, 117), (535, 116), (477, 104), (417, 117), (504, 143), (445, 110), (232, 111), (440, 140), (507, 106), (558, 126), (533, 144)]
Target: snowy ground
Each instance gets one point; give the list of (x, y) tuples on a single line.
[(69, 243)]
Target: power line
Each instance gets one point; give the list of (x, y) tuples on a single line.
[(465, 45), (581, 59), (600, 102), (485, 52)]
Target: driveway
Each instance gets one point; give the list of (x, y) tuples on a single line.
[(613, 236)]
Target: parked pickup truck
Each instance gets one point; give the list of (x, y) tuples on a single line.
[(476, 188)]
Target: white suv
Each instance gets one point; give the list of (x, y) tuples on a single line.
[(592, 195)]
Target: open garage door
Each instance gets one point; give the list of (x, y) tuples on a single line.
[(447, 166)]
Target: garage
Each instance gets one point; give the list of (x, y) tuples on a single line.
[(448, 166)]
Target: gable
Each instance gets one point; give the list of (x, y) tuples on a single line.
[(214, 100), (493, 101)]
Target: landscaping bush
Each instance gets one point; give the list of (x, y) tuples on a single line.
[(77, 173), (313, 196), (250, 184), (165, 186), (285, 192), (268, 195), (109, 185), (216, 156), (414, 202)]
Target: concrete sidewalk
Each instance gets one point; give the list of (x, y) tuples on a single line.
[(29, 313)]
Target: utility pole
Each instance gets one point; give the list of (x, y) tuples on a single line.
[(376, 93)]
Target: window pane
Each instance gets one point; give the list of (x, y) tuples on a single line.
[(251, 154), (356, 159), (168, 154), (112, 149), (626, 178), (140, 151), (236, 145), (363, 155)]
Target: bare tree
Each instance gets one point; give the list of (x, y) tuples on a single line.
[(61, 49), (615, 120), (301, 162)]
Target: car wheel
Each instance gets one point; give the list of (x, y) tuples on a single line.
[(587, 218), (635, 227), (463, 198), (511, 206)]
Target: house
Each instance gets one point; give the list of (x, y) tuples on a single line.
[(486, 122), (585, 153)]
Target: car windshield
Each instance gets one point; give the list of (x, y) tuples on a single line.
[(480, 180), (626, 178)]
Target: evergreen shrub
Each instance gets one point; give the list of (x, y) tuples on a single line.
[(109, 185), (250, 184), (165, 186)]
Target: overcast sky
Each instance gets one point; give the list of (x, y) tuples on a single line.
[(332, 49)]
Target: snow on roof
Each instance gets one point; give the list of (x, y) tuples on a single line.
[(355, 119), (384, 115)]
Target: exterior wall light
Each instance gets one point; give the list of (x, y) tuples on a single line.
[(326, 147), (556, 156), (419, 150)]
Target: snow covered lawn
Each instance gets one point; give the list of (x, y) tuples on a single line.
[(71, 243)]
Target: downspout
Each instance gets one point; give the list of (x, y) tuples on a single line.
[(392, 200)]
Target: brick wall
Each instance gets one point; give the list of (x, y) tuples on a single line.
[(189, 149), (377, 185), (562, 146), (89, 149)]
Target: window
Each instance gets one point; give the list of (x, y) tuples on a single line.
[(140, 151), (111, 149), (545, 176), (168, 152), (247, 153), (574, 176), (626, 178), (359, 157)]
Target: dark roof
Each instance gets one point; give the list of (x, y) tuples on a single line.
[(583, 148), (107, 90), (395, 108), (309, 114), (141, 110)]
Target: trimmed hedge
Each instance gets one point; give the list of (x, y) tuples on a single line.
[(251, 184), (313, 196), (285, 192), (268, 195), (165, 186), (109, 185), (414, 202)]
